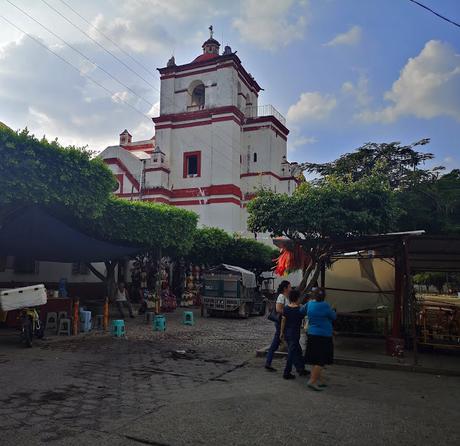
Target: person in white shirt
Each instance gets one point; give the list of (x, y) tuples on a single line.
[(283, 299), (122, 300)]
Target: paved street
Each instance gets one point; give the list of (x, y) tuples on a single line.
[(145, 390)]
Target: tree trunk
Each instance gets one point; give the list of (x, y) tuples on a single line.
[(306, 275)]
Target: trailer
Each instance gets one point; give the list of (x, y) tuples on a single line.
[(229, 289)]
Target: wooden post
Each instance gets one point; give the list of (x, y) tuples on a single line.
[(396, 329), (105, 322), (76, 316), (323, 275), (412, 300)]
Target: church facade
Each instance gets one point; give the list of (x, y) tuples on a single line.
[(214, 146)]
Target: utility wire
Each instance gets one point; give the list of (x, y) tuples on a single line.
[(81, 54), (109, 39), (72, 65), (124, 64), (98, 44), (435, 13)]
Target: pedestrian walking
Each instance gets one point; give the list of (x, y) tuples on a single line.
[(284, 289), (122, 300), (320, 348), (293, 316)]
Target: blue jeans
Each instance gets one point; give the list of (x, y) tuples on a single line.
[(274, 345), (295, 356)]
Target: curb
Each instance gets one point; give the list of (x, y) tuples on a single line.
[(352, 362)]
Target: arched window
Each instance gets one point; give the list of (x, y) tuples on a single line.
[(255, 157), (198, 96)]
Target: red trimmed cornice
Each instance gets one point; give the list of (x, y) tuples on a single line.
[(215, 63), (263, 119), (270, 127), (200, 114), (119, 163)]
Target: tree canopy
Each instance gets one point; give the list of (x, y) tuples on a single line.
[(47, 174), (318, 213), (429, 199), (398, 164), (78, 188), (212, 246)]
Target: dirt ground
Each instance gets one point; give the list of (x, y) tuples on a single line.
[(203, 385)]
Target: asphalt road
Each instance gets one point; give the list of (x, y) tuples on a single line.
[(96, 390)]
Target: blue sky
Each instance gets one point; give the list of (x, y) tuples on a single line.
[(344, 72)]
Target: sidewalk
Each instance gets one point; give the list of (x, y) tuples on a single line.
[(370, 353)]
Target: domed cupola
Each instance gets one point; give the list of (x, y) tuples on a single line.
[(211, 46)]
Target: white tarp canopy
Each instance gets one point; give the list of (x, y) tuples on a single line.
[(248, 278), (358, 284)]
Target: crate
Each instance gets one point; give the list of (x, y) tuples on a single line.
[(16, 298)]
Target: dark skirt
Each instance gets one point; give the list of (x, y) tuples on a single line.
[(319, 351)]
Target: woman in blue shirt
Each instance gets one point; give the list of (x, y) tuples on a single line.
[(320, 349)]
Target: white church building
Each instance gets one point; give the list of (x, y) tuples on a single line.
[(214, 145)]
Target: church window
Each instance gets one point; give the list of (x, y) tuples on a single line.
[(198, 94), (255, 157), (192, 164)]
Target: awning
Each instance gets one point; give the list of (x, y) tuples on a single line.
[(35, 234), (425, 252)]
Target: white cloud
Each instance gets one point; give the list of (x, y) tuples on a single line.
[(271, 24), (351, 37), (55, 100), (359, 91), (311, 105), (428, 87), (300, 141)]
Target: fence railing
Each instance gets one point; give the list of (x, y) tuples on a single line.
[(264, 110)]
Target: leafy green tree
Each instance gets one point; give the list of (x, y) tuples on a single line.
[(398, 164), (47, 174), (79, 189), (318, 214), (212, 246), (155, 227), (436, 279), (432, 205)]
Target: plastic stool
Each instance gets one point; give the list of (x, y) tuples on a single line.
[(118, 328), (149, 317), (64, 327), (99, 322), (187, 318), (85, 321), (62, 315), (51, 321), (159, 323)]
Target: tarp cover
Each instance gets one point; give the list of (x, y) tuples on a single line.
[(35, 234), (354, 284), (248, 278)]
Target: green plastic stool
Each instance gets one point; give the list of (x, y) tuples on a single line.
[(187, 318), (159, 323), (117, 328)]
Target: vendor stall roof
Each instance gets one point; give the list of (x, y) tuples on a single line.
[(425, 252), (33, 233)]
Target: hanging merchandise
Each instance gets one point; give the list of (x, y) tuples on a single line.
[(291, 259)]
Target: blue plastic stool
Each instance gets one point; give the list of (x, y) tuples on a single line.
[(117, 328), (187, 318), (159, 323)]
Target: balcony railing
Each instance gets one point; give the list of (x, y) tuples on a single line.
[(264, 110)]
